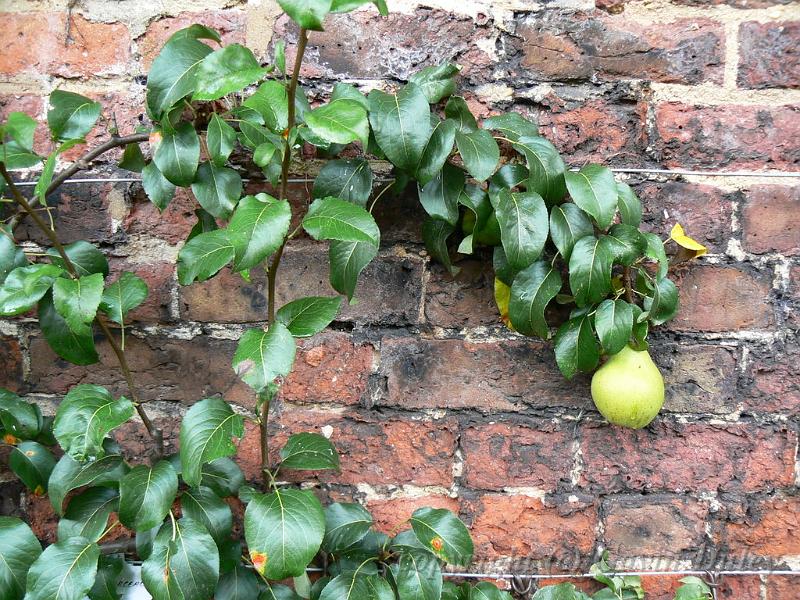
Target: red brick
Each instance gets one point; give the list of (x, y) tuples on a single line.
[(229, 23), (703, 211), (500, 455), (463, 300), (663, 587), (768, 55), (41, 517), (653, 525), (561, 47), (694, 457), (714, 298), (781, 588), (771, 219), (378, 451), (489, 376), (523, 527), (774, 379), (389, 290), (33, 106), (38, 43), (173, 225), (729, 137), (734, 3), (391, 516), (330, 367), (771, 528), (10, 364)]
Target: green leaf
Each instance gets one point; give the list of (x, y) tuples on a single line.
[(24, 287), (345, 525), (339, 6), (418, 575), (262, 356), (217, 189), (349, 92), (440, 195), (568, 224), (32, 463), (122, 296), (69, 474), (177, 154), (457, 110), (239, 584), (308, 14), (71, 116), (195, 32), (626, 243), (229, 69), (271, 101), (65, 570), (203, 256), (664, 304), (347, 260), (84, 418), (436, 82), (45, 178), (173, 73), (223, 476), (349, 180), (77, 300), (357, 586), (85, 258), (523, 226), (109, 570), (693, 588), (614, 323), (640, 329), (11, 256), (476, 200), (19, 549), (21, 128), (590, 270), (545, 166), (401, 125), (204, 506), (257, 229), (158, 189), (443, 533), (512, 126), (594, 190), (435, 233), (341, 122), (305, 317), (479, 152), (87, 514), (132, 159), (309, 452), (630, 209), (184, 563), (220, 140), (484, 590), (15, 156), (531, 292), (284, 531), (436, 151), (75, 347), (17, 417), (146, 495), (334, 219), (655, 250), (576, 346), (206, 434)]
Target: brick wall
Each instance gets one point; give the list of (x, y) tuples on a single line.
[(430, 400)]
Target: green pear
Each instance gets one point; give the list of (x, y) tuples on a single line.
[(628, 390)]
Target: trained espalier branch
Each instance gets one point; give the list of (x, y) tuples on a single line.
[(498, 184)]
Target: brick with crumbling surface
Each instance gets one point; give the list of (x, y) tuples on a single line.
[(11, 364), (768, 529), (768, 56), (771, 219)]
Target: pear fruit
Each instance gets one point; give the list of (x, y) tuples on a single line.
[(628, 390)]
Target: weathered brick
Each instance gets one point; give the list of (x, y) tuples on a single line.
[(10, 364), (160, 280), (781, 588), (391, 516), (373, 450), (717, 137), (462, 300), (560, 47), (653, 525), (523, 527), (793, 307), (773, 379), (734, 3), (389, 290), (703, 210), (716, 298), (771, 528), (693, 457), (501, 455), (229, 23), (768, 55), (661, 587), (45, 43), (490, 377), (41, 517), (164, 369), (771, 219), (172, 225)]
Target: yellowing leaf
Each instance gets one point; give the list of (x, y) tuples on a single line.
[(502, 296), (683, 240)]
